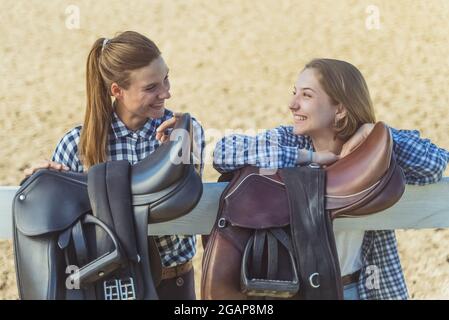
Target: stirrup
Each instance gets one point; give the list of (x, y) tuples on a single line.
[(268, 287)]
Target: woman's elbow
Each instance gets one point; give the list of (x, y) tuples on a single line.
[(440, 166), (218, 160), (423, 175)]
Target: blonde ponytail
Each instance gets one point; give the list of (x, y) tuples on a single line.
[(97, 120)]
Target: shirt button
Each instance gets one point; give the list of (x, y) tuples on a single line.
[(180, 282)]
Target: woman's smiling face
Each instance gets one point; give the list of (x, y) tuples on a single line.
[(149, 88), (311, 107)]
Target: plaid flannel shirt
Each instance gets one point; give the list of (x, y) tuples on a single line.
[(421, 161), (133, 146)]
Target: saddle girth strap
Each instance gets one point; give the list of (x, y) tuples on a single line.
[(110, 198), (312, 234)]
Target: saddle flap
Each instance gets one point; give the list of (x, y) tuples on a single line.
[(49, 202), (264, 199)]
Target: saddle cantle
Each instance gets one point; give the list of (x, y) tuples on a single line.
[(52, 218), (263, 220)]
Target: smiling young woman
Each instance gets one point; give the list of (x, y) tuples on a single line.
[(330, 104)]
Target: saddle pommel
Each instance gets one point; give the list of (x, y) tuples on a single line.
[(363, 167), (167, 164), (366, 174)]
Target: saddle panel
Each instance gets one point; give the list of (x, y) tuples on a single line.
[(50, 201), (179, 199), (385, 194)]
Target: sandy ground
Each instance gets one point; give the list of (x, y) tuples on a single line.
[(233, 66)]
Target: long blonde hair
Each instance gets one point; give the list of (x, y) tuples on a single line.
[(109, 60), (345, 84)]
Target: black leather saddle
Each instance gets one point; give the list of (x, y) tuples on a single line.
[(85, 236)]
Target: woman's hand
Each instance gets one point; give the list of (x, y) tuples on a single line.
[(358, 137), (45, 164), (324, 157), (319, 157), (161, 134)]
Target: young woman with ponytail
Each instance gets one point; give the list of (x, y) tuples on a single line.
[(126, 86)]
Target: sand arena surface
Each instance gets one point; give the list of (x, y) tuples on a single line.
[(232, 66)]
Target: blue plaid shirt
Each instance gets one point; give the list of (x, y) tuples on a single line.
[(125, 144), (421, 161)]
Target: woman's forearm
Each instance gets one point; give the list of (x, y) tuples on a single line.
[(269, 149)]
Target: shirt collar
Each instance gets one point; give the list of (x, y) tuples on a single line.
[(120, 130)]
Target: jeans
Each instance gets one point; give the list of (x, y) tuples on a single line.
[(351, 292)]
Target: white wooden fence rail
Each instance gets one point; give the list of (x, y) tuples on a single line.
[(420, 207)]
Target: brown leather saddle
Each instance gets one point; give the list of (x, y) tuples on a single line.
[(273, 236)]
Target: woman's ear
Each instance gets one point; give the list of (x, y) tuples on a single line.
[(340, 112), (116, 91)]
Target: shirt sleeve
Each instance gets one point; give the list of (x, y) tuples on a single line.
[(421, 160), (66, 151), (271, 149), (199, 144)]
